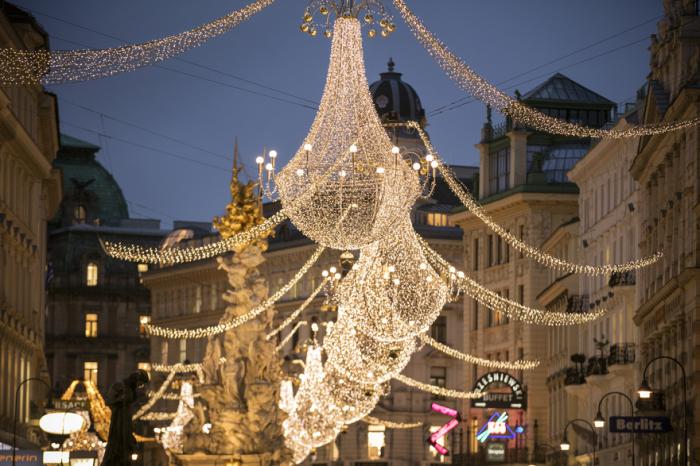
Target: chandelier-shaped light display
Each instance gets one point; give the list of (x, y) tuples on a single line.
[(469, 80), (46, 67), (354, 400), (393, 293), (372, 12), (347, 185)]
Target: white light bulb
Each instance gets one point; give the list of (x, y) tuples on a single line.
[(395, 150), (343, 173), (429, 158), (416, 166), (392, 269), (353, 148), (423, 266), (268, 167), (308, 147), (380, 170), (273, 154), (434, 164), (333, 270), (259, 160), (314, 327), (338, 276), (300, 172), (324, 273)]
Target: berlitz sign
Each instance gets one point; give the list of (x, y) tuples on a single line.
[(514, 398), (640, 424)]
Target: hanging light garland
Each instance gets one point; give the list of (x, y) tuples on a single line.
[(144, 255), (532, 252), (289, 336), (152, 400), (221, 327), (293, 316), (158, 416), (361, 184), (477, 86), (439, 391), (463, 284), (391, 424), (173, 437), (504, 365), (46, 67)]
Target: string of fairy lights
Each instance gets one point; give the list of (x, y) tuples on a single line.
[(26, 67), (471, 359), (473, 83), (439, 391), (221, 327), (391, 424), (153, 399), (307, 302)]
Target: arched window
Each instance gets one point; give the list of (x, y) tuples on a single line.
[(92, 274), (79, 214)]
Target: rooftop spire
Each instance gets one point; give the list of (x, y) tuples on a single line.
[(390, 65)]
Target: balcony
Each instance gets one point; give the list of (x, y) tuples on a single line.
[(621, 353), (573, 376), (596, 365), (577, 304), (628, 278)]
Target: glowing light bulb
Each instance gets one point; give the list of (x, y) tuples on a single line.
[(308, 147), (434, 164), (416, 166), (338, 276), (353, 149), (314, 327), (342, 173), (380, 170), (273, 154), (333, 270), (259, 160), (429, 158), (395, 150), (324, 273), (268, 166), (300, 172)]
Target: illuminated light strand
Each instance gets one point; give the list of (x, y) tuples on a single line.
[(42, 66), (295, 329), (471, 359), (347, 158), (172, 396), (473, 83), (144, 255), (288, 321), (178, 368), (173, 437), (158, 416), (494, 301), (221, 327), (435, 390), (157, 396), (532, 252), (391, 424)]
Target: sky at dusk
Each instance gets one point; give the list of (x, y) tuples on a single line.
[(167, 131)]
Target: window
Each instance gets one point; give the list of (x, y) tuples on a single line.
[(476, 315), (91, 325), (490, 250), (438, 377), (475, 255), (143, 321), (522, 237), (438, 331), (90, 371), (79, 214), (91, 274), (437, 219), (142, 268), (521, 294), (499, 170), (164, 351), (183, 350), (376, 441)]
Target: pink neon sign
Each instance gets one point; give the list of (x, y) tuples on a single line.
[(445, 429)]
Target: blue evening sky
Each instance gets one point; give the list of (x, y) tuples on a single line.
[(501, 39)]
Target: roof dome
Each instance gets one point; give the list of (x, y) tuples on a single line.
[(394, 99)]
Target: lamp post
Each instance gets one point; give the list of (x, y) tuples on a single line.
[(533, 457), (14, 430), (566, 446), (599, 421), (645, 392)]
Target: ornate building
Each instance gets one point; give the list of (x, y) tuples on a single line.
[(190, 295), (30, 191), (585, 363), (666, 170), (523, 186), (95, 304)]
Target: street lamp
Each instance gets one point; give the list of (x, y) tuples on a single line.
[(566, 446), (599, 421), (60, 423), (645, 392)]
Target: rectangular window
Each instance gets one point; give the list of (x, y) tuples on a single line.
[(376, 441), (438, 331), (475, 256), (90, 369), (489, 318), (490, 250), (521, 235), (499, 171), (91, 274), (164, 351), (91, 325), (475, 321), (521, 294), (183, 350), (499, 250), (438, 378)]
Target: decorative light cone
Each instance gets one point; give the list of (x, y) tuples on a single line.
[(392, 293), (362, 358), (344, 188), (354, 401)]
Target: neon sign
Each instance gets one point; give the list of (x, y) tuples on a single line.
[(497, 428), (442, 431)]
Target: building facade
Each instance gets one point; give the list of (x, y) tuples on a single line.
[(523, 186), (666, 170), (30, 191), (95, 304)]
